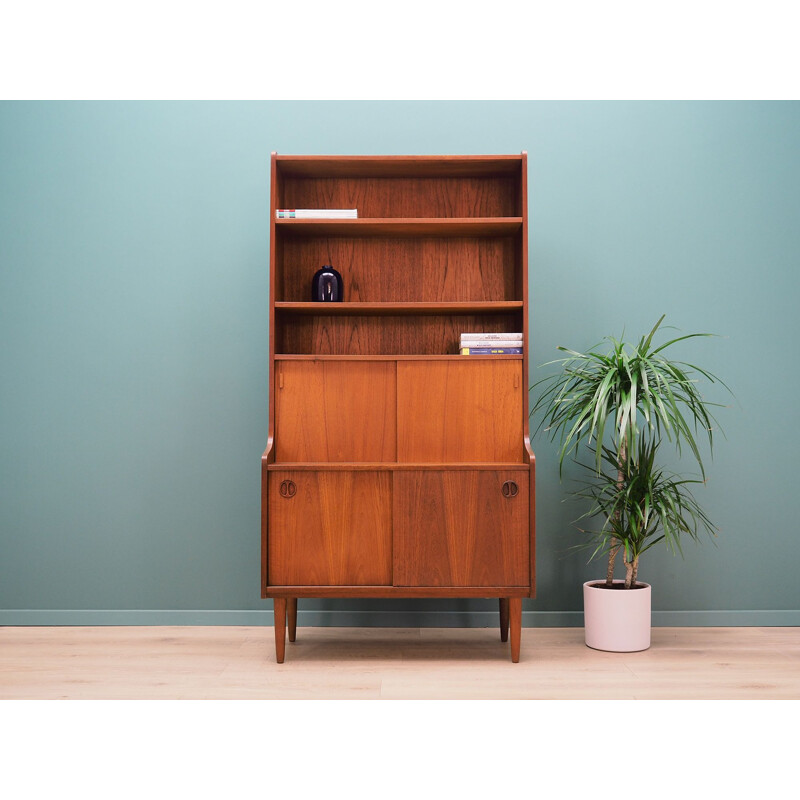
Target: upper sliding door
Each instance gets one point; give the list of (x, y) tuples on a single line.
[(464, 410)]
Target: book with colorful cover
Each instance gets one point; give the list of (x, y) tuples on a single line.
[(490, 351), (316, 213)]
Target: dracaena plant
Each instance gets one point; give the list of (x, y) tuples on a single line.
[(620, 402), (647, 506)]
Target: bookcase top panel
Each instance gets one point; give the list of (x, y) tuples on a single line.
[(398, 166)]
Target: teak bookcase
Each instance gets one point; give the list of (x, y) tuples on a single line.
[(395, 467)]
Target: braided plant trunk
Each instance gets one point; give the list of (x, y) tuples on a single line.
[(632, 566), (615, 545), (631, 570), (612, 557)]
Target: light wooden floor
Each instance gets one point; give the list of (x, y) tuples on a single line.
[(239, 662)]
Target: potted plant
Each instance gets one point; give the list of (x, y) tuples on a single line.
[(621, 405)]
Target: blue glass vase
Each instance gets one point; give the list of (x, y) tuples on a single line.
[(326, 286)]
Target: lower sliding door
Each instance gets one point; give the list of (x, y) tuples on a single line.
[(329, 528), (461, 528)]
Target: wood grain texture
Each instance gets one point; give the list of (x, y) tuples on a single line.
[(279, 613), (384, 197), (503, 619), (394, 166), (344, 590), (371, 466), (394, 309), (395, 357), (400, 226), (264, 523), (457, 529), (385, 335), (403, 269), (269, 451), (232, 662), (336, 411), (515, 623), (335, 529), (291, 615), (528, 455), (440, 248), (459, 411)]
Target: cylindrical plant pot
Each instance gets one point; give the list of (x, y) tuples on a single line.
[(616, 619)]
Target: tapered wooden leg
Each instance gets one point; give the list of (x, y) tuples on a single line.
[(280, 627), (515, 618), (291, 612), (503, 619)]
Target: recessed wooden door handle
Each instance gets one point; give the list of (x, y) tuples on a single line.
[(288, 489), (510, 489)]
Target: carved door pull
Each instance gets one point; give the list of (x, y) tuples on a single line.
[(288, 489)]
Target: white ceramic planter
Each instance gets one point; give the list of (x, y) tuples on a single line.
[(617, 620)]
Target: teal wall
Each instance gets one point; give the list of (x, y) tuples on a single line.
[(133, 327)]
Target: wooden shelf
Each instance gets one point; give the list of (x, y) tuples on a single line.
[(434, 357), (397, 166), (345, 309), (402, 226), (398, 591), (315, 466)]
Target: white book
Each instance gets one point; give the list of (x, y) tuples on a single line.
[(492, 343), (316, 213), (474, 337)]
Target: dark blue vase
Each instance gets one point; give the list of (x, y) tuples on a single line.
[(326, 287)]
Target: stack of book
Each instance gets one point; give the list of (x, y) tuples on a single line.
[(482, 344), (317, 213)]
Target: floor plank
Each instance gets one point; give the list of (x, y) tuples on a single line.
[(392, 663)]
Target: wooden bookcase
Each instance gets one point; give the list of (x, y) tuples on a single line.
[(395, 467)]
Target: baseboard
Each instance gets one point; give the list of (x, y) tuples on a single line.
[(384, 619)]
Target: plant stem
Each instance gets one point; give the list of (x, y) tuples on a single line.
[(635, 569), (612, 553), (612, 557), (629, 579)]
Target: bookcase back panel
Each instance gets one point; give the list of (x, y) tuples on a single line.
[(484, 196), (403, 269), (401, 166), (385, 335)]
